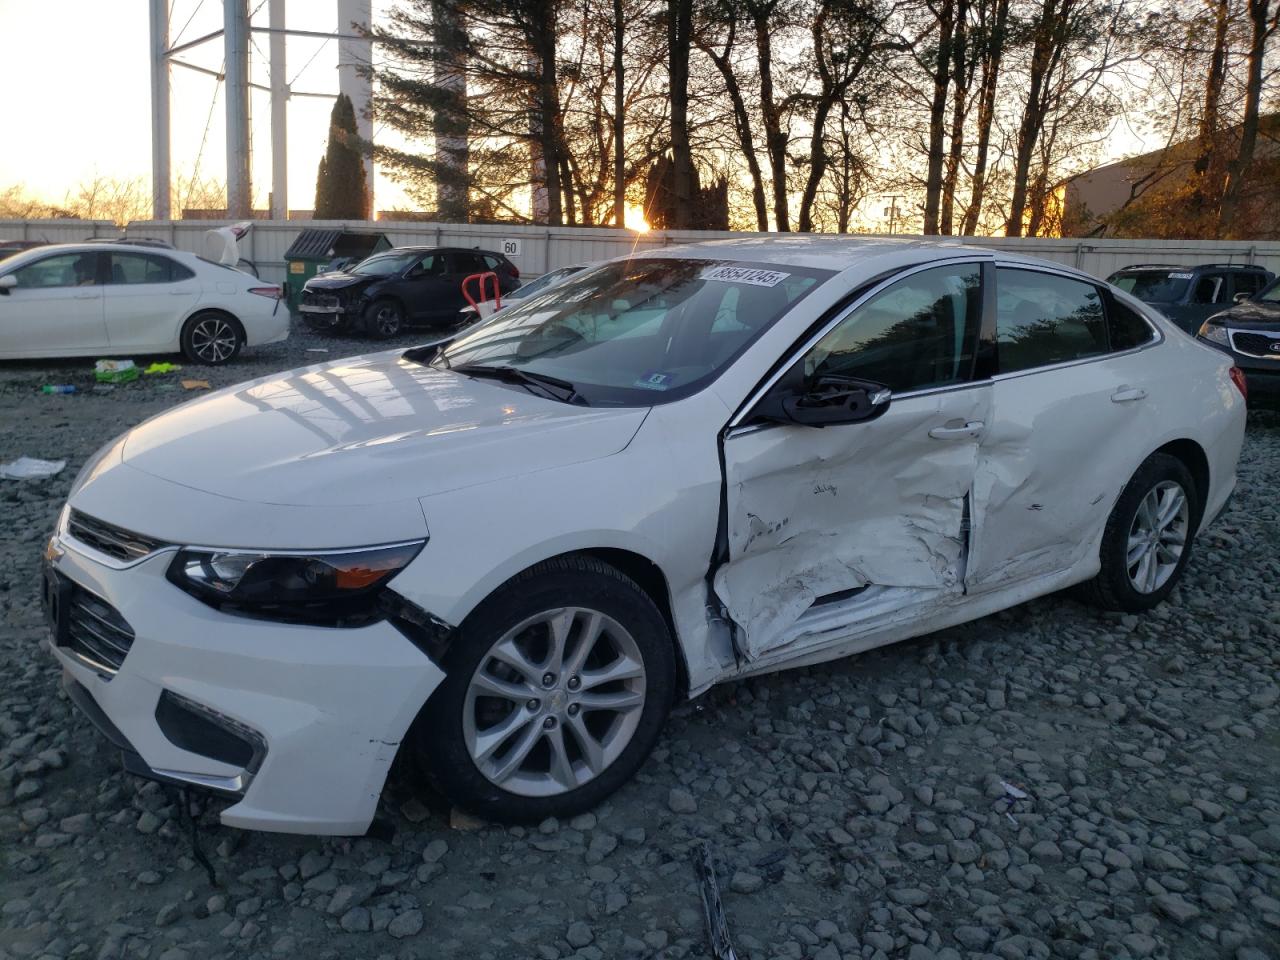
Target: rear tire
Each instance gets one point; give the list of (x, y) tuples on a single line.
[(212, 338), (1148, 538), (384, 319), (517, 732)]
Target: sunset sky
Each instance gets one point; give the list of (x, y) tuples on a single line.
[(77, 84)]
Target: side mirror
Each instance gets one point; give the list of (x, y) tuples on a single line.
[(826, 400), (7, 283), (1241, 297)]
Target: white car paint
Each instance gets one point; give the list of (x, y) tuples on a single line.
[(127, 318), (382, 449)]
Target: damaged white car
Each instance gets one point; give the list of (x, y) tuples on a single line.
[(508, 556)]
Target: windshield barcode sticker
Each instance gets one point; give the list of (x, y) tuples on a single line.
[(757, 278), (1181, 276)]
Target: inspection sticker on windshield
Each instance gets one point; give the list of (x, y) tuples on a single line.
[(1181, 276), (654, 380), (757, 278)]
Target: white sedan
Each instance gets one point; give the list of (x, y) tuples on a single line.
[(510, 555), (96, 299)]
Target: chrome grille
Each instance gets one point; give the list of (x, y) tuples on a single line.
[(1256, 344), (96, 632), (107, 538)]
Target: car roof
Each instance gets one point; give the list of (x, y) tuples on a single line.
[(39, 253), (426, 248)]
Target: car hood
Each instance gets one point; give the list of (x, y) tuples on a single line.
[(335, 281), (368, 430), (1250, 315)]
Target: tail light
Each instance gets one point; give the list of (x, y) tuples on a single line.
[(1237, 377), (515, 271), (274, 293)]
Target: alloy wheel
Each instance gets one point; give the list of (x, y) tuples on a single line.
[(387, 321), (213, 340), (1158, 536), (554, 702)]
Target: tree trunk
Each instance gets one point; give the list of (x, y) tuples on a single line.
[(548, 108), (817, 164), (742, 121), (1259, 14), (1213, 88), (961, 73), (937, 117), (450, 125), (775, 137), (1033, 112), (679, 38), (619, 106), (993, 53)]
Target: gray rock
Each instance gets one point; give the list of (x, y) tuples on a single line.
[(1176, 908), (579, 934), (406, 924), (679, 800)]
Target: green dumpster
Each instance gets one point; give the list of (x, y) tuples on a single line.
[(317, 249)]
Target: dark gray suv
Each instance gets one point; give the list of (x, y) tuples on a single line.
[(1190, 295)]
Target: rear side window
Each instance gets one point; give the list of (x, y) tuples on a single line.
[(468, 263), (916, 334), (1126, 327), (1250, 281), (1042, 319), (130, 268)]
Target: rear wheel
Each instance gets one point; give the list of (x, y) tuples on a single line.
[(212, 338), (384, 318), (555, 691), (1148, 537)]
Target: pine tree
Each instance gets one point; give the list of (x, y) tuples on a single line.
[(341, 193)]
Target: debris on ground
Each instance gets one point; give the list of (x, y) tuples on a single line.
[(115, 371), (195, 384), (712, 908), (58, 388), (161, 368), (29, 468)]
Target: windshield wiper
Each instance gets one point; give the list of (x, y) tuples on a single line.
[(553, 387)]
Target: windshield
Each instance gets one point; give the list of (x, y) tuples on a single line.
[(1153, 286), (638, 332), (384, 264)]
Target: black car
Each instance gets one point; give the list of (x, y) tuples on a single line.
[(1250, 333), (1190, 295), (396, 288)]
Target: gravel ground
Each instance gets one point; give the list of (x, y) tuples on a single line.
[(855, 809)]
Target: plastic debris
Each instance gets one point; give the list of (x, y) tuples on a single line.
[(58, 388), (1011, 796), (29, 468), (161, 368), (317, 349), (195, 384), (115, 371), (717, 923)]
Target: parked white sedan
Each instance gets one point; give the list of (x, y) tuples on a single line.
[(509, 556), (94, 299)]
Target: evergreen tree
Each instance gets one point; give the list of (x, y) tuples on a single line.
[(341, 193)]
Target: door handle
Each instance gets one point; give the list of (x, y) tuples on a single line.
[(967, 431), (179, 293), (87, 296), (1128, 395)]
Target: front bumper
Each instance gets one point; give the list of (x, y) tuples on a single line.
[(327, 706)]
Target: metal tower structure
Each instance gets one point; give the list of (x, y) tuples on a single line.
[(354, 52)]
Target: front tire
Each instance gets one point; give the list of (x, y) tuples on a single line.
[(211, 338), (384, 319), (1148, 538), (556, 689)]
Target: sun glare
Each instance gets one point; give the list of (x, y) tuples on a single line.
[(636, 221)]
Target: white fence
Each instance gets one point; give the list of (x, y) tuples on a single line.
[(536, 249)]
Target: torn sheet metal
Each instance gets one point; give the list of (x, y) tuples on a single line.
[(712, 907), (814, 512)]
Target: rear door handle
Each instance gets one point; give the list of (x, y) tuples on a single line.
[(967, 431), (1128, 395)]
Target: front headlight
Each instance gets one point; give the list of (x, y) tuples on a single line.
[(334, 588), (1215, 333)]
